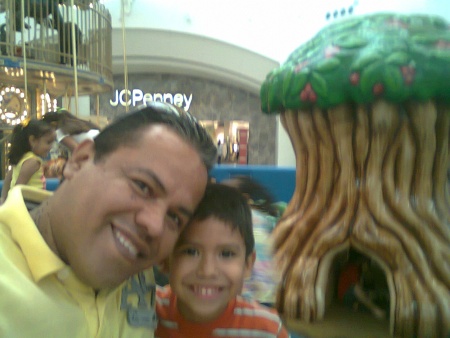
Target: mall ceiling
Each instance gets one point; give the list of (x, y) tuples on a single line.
[(270, 28)]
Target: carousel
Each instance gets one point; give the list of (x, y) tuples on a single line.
[(52, 53)]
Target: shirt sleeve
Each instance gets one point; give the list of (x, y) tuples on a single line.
[(282, 332), (60, 135)]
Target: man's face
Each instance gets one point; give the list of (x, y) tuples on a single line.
[(207, 268), (123, 214)]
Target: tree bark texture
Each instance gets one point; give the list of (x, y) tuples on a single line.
[(373, 178)]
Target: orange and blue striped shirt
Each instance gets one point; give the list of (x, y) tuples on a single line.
[(242, 318)]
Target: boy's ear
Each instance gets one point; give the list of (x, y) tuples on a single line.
[(81, 155), (249, 262)]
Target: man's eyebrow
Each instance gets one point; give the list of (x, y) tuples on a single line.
[(186, 212), (151, 175)]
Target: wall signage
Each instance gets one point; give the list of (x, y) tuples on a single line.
[(137, 96)]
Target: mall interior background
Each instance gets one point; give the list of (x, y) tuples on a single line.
[(209, 101), (221, 52)]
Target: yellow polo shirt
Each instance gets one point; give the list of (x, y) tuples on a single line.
[(41, 297)]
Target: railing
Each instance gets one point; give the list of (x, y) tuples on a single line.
[(57, 33)]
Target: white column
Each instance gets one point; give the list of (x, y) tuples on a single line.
[(84, 106)]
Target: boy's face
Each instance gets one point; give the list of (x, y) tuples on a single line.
[(119, 216), (207, 268)]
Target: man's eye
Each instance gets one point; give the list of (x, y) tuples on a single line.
[(143, 187), (175, 221)]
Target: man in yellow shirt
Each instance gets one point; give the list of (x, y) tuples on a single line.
[(79, 264)]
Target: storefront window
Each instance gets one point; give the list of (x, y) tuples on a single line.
[(231, 138)]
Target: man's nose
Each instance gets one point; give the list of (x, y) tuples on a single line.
[(207, 266), (152, 219)]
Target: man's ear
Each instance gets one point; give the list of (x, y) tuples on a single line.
[(249, 262), (81, 155)]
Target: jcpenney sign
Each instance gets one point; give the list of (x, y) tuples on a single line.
[(137, 96)]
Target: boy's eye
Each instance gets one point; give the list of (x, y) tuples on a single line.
[(227, 253), (191, 252)]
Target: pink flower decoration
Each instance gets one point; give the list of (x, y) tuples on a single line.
[(330, 51), (378, 89), (396, 23), (308, 94), (408, 73), (354, 78), (300, 66), (442, 44)]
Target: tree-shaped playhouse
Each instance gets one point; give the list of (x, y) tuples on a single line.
[(366, 104)]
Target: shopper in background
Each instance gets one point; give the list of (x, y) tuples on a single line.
[(31, 141), (79, 265), (219, 151)]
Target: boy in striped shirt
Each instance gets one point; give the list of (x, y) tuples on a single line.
[(213, 255)]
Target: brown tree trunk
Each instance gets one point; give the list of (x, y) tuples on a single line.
[(374, 178)]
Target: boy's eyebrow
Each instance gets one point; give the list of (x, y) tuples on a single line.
[(199, 243), (152, 176)]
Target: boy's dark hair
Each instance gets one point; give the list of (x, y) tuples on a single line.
[(128, 129), (260, 196), (227, 204), (20, 143)]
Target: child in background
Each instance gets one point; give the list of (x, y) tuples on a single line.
[(353, 289), (263, 283), (213, 255), (31, 141), (71, 130)]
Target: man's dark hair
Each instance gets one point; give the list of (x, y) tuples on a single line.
[(128, 128), (227, 204)]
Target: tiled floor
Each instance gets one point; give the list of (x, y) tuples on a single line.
[(340, 322)]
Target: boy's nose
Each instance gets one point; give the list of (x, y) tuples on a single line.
[(207, 266)]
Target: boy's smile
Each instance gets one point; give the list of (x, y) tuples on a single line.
[(207, 268), (205, 292)]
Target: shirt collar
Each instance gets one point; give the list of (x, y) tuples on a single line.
[(42, 261)]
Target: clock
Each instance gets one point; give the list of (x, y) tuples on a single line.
[(13, 106)]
